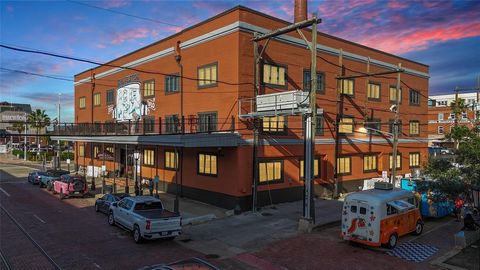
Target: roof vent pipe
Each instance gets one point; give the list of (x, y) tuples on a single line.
[(300, 10)]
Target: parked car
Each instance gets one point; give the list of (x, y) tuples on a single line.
[(52, 175), (192, 263), (70, 185), (146, 217), (35, 177), (103, 204)]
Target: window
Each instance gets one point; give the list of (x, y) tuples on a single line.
[(347, 88), (316, 168), (394, 94), (110, 150), (207, 164), (440, 130), (81, 150), (414, 128), (414, 160), (353, 209), (464, 116), (320, 125), (82, 102), (149, 157), (110, 96), (274, 124), (172, 83), (451, 116), (363, 210), (391, 210), (414, 97), (344, 165), (391, 124), (442, 103), (149, 88), (207, 75), (95, 151), (307, 81), (440, 116), (399, 161), (96, 99), (270, 171), (373, 91), (369, 163), (171, 160), (373, 126), (345, 125), (171, 123), (207, 122), (274, 75), (148, 124)]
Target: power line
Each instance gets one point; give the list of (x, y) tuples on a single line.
[(123, 13)]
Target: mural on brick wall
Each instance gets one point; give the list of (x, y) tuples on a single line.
[(129, 102)]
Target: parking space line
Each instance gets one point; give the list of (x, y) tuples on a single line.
[(41, 220), (6, 193)]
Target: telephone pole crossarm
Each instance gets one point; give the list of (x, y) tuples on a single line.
[(286, 29)]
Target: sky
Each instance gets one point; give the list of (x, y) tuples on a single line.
[(442, 34)]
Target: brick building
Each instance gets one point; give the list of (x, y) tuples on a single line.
[(213, 144)]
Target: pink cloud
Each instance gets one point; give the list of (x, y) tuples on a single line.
[(115, 3), (397, 4), (129, 35), (420, 39), (174, 29), (343, 7), (100, 46), (288, 9)]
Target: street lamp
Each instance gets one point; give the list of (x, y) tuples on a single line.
[(136, 156)]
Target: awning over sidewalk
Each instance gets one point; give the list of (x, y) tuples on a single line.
[(187, 140)]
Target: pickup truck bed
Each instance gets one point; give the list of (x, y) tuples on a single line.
[(155, 214)]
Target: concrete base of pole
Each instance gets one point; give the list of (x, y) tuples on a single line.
[(305, 225)]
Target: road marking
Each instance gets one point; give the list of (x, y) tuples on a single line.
[(6, 193), (41, 220)]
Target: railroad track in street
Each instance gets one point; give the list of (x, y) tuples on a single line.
[(36, 246)]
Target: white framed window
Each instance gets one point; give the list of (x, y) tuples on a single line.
[(440, 116), (440, 130), (464, 116)]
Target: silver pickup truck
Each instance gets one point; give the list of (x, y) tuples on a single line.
[(145, 217)]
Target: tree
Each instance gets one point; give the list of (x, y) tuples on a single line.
[(458, 107), (458, 133), (38, 119), (18, 127)]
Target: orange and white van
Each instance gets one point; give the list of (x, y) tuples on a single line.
[(379, 216)]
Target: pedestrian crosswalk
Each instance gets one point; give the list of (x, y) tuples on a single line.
[(412, 251)]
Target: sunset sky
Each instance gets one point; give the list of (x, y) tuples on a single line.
[(442, 34)]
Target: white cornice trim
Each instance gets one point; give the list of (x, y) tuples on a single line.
[(237, 26)]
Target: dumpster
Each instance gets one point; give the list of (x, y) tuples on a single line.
[(428, 208)]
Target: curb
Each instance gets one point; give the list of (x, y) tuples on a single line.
[(198, 220)]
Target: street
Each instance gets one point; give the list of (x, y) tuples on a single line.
[(39, 231)]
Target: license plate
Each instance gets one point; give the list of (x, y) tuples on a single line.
[(164, 233), (76, 192)]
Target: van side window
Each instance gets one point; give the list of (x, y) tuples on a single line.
[(411, 201), (363, 210), (391, 210), (353, 208)]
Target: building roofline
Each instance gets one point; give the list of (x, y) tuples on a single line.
[(240, 7)]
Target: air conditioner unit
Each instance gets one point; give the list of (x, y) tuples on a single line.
[(383, 185)]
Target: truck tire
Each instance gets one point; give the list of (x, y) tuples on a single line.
[(62, 196), (392, 241), (418, 228), (111, 219), (137, 236)]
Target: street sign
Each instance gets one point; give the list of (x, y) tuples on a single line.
[(104, 168), (385, 175), (68, 161)]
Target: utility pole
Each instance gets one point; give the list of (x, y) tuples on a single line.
[(339, 109), (178, 59), (25, 140), (456, 105), (396, 127), (58, 166), (310, 128), (477, 104), (92, 80)]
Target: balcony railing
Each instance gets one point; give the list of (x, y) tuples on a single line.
[(186, 125)]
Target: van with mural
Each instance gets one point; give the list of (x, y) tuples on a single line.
[(380, 216)]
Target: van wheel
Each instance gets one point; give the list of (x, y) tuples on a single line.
[(392, 241), (418, 228), (62, 196), (111, 219), (137, 237)]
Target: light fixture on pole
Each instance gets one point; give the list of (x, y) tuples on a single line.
[(136, 156)]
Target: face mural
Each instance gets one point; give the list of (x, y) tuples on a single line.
[(128, 102)]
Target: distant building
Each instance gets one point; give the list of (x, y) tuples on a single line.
[(441, 119), (11, 113)]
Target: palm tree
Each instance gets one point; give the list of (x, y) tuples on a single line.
[(39, 120), (18, 127)]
